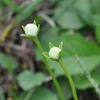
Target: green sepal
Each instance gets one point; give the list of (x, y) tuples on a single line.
[(28, 36), (38, 28), (23, 27), (50, 45), (60, 54), (24, 35), (34, 22), (61, 45), (46, 54), (31, 37), (54, 59)]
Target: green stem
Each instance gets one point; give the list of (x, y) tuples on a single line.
[(70, 79), (49, 70)]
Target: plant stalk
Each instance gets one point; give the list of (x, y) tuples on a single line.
[(70, 80), (49, 70)]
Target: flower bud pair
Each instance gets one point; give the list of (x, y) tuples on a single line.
[(31, 31)]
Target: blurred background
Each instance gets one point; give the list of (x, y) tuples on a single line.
[(22, 72)]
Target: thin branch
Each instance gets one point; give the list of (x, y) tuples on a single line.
[(88, 75)]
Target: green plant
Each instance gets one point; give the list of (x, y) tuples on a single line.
[(76, 22), (55, 53), (31, 31)]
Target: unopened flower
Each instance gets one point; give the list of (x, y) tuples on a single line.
[(54, 52), (31, 30)]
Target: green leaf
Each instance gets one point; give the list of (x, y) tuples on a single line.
[(96, 5), (74, 14), (12, 5), (28, 80), (43, 94), (96, 19), (70, 20), (84, 10), (66, 15), (82, 82), (2, 96), (98, 33), (27, 11), (87, 50), (64, 84), (39, 93), (8, 62)]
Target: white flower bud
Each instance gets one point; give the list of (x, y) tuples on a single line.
[(31, 29), (54, 53)]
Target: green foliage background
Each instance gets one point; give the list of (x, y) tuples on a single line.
[(61, 20)]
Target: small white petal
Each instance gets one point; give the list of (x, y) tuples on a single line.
[(54, 52), (31, 29)]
